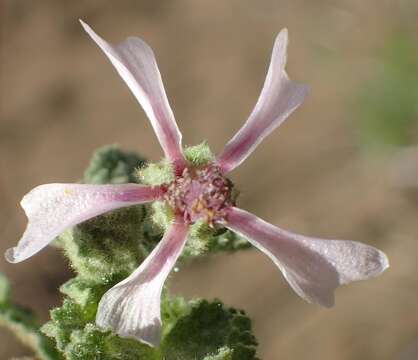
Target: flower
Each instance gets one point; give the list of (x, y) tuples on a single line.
[(313, 267)]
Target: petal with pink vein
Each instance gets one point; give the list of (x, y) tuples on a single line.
[(52, 208), (132, 307), (313, 267), (135, 62), (278, 99)]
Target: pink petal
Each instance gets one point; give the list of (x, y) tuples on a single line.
[(52, 208), (135, 62), (279, 98), (132, 307), (313, 267)]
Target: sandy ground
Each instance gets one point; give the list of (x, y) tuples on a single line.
[(61, 99)]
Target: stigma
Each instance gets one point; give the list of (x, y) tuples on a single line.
[(200, 194)]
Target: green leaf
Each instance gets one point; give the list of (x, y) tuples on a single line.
[(24, 325), (110, 165), (209, 327), (106, 247)]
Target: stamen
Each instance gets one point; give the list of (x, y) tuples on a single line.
[(200, 193)]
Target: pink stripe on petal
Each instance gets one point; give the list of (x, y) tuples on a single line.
[(313, 267), (135, 62), (52, 208), (132, 307), (278, 99)]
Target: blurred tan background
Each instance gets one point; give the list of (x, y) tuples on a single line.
[(61, 99)]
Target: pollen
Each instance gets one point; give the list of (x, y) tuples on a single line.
[(68, 192), (200, 194)]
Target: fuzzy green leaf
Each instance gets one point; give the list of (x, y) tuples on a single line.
[(110, 165), (107, 246), (209, 327), (24, 325)]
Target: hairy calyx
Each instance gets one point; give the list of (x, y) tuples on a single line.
[(200, 193)]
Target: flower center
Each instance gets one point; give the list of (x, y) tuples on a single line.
[(200, 193)]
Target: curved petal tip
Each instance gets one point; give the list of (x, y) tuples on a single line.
[(282, 36), (10, 255), (83, 24), (382, 263)]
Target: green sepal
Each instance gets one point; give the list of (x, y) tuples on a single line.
[(162, 172), (156, 173), (199, 155)]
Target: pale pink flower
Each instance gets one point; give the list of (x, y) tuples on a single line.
[(313, 267)]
